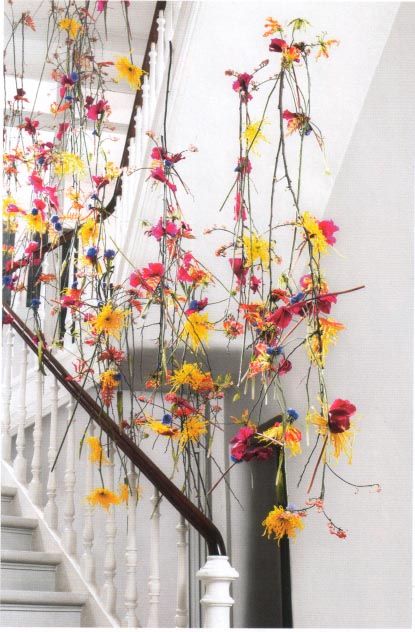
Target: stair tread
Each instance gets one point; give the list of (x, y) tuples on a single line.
[(30, 557), (8, 491), (19, 522), (43, 597)]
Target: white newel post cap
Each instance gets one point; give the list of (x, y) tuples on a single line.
[(217, 575)]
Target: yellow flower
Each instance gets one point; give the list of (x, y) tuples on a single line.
[(89, 231), (280, 523), (103, 497), (339, 441), (71, 26), (162, 429), (324, 47), (126, 70), (109, 321), (124, 493), (253, 135), (256, 248), (193, 429), (191, 375), (197, 327), (292, 438), (314, 233), (35, 223), (68, 163), (111, 171), (96, 453), (329, 329)]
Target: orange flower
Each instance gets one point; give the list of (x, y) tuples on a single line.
[(272, 26)]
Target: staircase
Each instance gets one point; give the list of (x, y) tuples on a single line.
[(30, 577)]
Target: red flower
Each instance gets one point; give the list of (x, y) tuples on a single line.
[(101, 5), (31, 247), (36, 181), (242, 451), (277, 45), (339, 415), (284, 366), (281, 317), (244, 166), (279, 295), (29, 126), (241, 86), (100, 181), (328, 228), (152, 273), (324, 303), (238, 269), (254, 283), (62, 129)]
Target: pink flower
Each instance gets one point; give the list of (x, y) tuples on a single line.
[(158, 230), (31, 247), (36, 181), (277, 45), (52, 195), (339, 415), (153, 270), (101, 5), (242, 451), (158, 174), (254, 283), (96, 109), (30, 126), (239, 208), (284, 366), (328, 228), (289, 116), (241, 85), (100, 181)]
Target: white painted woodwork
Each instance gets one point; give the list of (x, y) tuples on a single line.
[(110, 563), (7, 393), (88, 560), (35, 486), (154, 579), (131, 557), (160, 49), (217, 575), (182, 596), (51, 508), (69, 533), (19, 463)]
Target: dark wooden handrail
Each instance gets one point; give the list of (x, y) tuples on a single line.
[(184, 506), (109, 208)]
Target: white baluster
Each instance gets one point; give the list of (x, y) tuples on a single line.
[(6, 442), (35, 486), (154, 579), (110, 563), (138, 137), (131, 595), (131, 152), (153, 80), (88, 561), (160, 49), (182, 575), (69, 533), (19, 463), (51, 509), (217, 575), (145, 109)]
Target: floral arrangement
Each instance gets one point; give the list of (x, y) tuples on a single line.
[(274, 308)]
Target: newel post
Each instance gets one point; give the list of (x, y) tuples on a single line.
[(216, 576)]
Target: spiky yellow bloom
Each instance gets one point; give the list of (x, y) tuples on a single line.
[(197, 327), (253, 135), (96, 453), (256, 248), (103, 497), (67, 163), (109, 381), (35, 223), (109, 321), (329, 329), (124, 493), (193, 429), (162, 429), (191, 375), (280, 522), (314, 233), (89, 231), (341, 442), (71, 26), (128, 71)]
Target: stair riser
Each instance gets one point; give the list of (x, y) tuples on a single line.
[(16, 576), (16, 539), (40, 616), (8, 506)]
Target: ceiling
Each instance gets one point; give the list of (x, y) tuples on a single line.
[(113, 42)]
